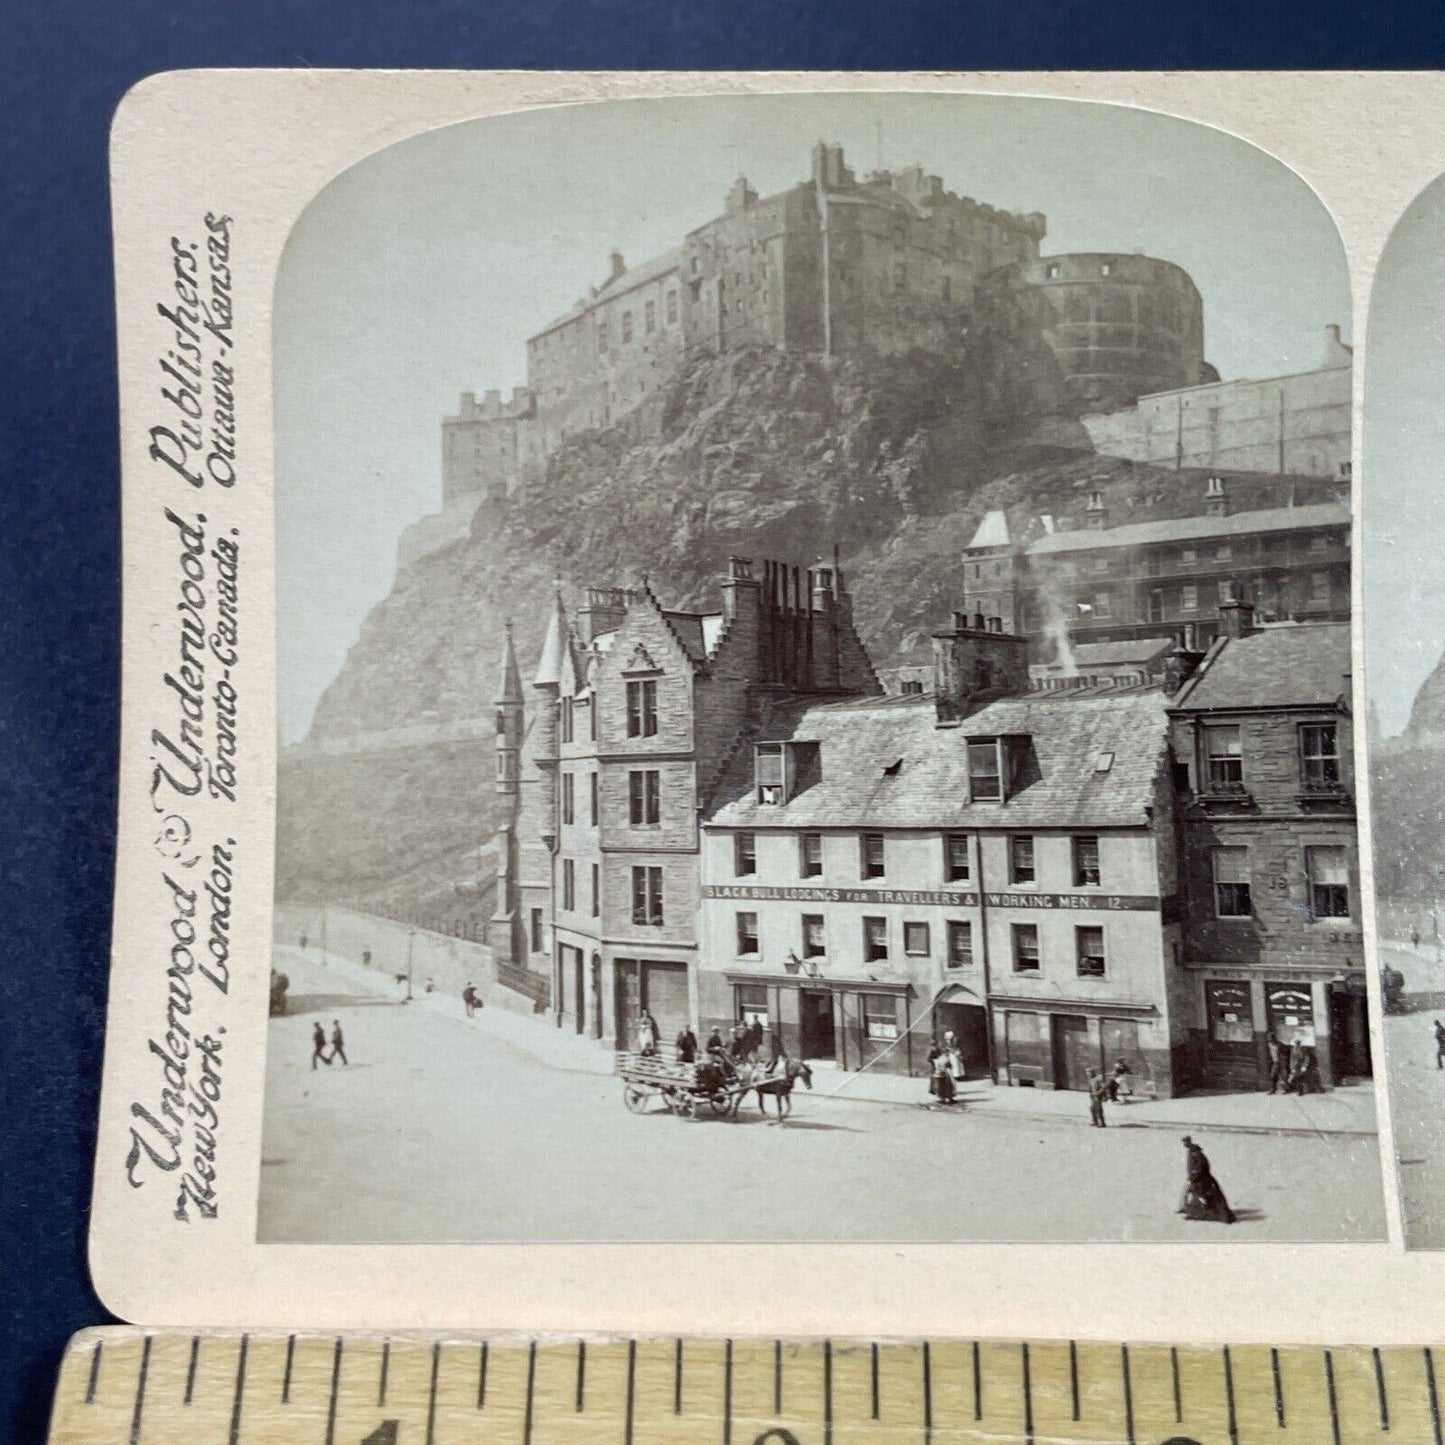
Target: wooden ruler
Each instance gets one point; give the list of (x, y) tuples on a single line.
[(125, 1386)]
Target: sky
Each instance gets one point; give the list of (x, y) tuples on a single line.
[(1404, 446), (419, 273)]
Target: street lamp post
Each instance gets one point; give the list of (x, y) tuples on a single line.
[(410, 939)]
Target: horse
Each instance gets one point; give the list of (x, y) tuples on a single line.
[(779, 1084)]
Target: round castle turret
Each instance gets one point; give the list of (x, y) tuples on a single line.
[(1119, 325)]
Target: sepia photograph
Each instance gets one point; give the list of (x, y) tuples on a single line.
[(815, 688)]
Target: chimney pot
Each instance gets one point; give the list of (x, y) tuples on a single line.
[(960, 621)]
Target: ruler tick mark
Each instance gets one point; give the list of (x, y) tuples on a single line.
[(286, 1377), (431, 1394), (1229, 1398), (874, 1354), (927, 1393), (191, 1368), (1380, 1391), (1128, 1393), (1178, 1393), (531, 1393), (777, 1377), (632, 1385), (140, 1389), (1074, 1378), (677, 1379), (1278, 1389), (234, 1436), (482, 1379), (827, 1392), (94, 1379), (1028, 1394), (581, 1401), (1434, 1395), (335, 1390), (728, 1393), (385, 1366), (1334, 1403), (977, 1384)]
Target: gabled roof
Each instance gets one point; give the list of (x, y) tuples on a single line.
[(1139, 650), (1299, 664), (1188, 529), (992, 531), (1062, 784)]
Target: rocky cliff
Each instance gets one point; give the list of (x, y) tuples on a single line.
[(1407, 777), (755, 452)]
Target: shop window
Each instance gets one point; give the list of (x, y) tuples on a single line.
[(569, 798), (1328, 871), (875, 939), (955, 858), (569, 885), (915, 939), (1089, 952), (1231, 882), (810, 855), (642, 708), (1021, 858), (647, 896), (870, 850), (644, 797), (752, 1004), (985, 778), (960, 944), (1086, 860), (815, 938), (747, 935), (880, 1016), (745, 854), (1319, 757), (1224, 758), (1026, 947)]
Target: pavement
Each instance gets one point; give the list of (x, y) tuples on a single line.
[(1349, 1110), (501, 1127)]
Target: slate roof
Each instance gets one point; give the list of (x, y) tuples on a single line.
[(1133, 649), (1060, 787), (630, 279), (1188, 529), (1298, 664)]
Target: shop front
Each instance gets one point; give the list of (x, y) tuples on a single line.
[(658, 985), (1055, 1047)]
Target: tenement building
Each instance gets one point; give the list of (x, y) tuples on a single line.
[(1109, 582), (635, 711), (982, 858), (1273, 941)]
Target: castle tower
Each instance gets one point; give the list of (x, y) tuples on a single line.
[(505, 932)]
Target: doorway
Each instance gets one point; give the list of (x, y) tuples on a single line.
[(969, 1025), (1350, 1035), (1074, 1054), (815, 1025)]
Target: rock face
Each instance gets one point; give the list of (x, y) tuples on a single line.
[(1407, 777), (755, 452)]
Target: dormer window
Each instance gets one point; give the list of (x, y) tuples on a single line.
[(770, 769), (985, 772)]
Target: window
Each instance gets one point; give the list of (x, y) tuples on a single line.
[(880, 1016), (626, 326), (870, 855), (537, 941), (915, 939), (1086, 860), (1189, 597), (815, 938), (644, 797), (745, 854), (912, 686), (1226, 589), (768, 770), (875, 939), (747, 924), (671, 308), (960, 944), (1156, 607), (642, 708), (955, 857), (592, 719), (810, 855), (1224, 760), (1319, 757), (1188, 556), (569, 885), (569, 798), (752, 1004), (1223, 552), (985, 783), (647, 896), (1089, 952), (596, 890), (1319, 586), (1102, 563), (567, 724), (1103, 604), (1106, 269), (501, 722), (1231, 882), (1021, 858), (1328, 870), (649, 313), (593, 800), (602, 337), (1051, 272), (947, 288), (1319, 543), (1026, 947)]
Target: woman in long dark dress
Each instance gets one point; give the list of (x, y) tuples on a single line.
[(1203, 1198)]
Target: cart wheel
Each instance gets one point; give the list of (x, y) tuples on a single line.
[(722, 1106), (635, 1099), (687, 1106)]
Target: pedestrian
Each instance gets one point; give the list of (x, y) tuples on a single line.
[(1414, 938), (687, 1046), (1299, 1068), (1098, 1092), (303, 940), (946, 1069), (1439, 1045), (755, 1038), (1278, 1065), (738, 1045), (1119, 1086), (646, 1034), (715, 1042), (318, 1045), (471, 999), (1203, 1198), (338, 1044)]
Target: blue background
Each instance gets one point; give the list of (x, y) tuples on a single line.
[(64, 65)]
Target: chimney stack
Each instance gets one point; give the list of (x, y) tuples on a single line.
[(1096, 515), (1236, 618), (616, 265), (1182, 662), (974, 661), (1216, 498), (604, 611)]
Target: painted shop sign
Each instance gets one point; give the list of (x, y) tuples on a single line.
[(1090, 902)]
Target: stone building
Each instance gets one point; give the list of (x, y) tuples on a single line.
[(636, 709), (988, 859), (1273, 941), (1102, 582)]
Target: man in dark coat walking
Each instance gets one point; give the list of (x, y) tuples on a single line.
[(318, 1045), (1203, 1198), (338, 1044), (1439, 1045), (1098, 1092)]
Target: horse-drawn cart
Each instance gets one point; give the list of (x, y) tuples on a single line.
[(684, 1088)]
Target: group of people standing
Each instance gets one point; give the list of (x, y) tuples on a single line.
[(743, 1046), (1293, 1068)]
